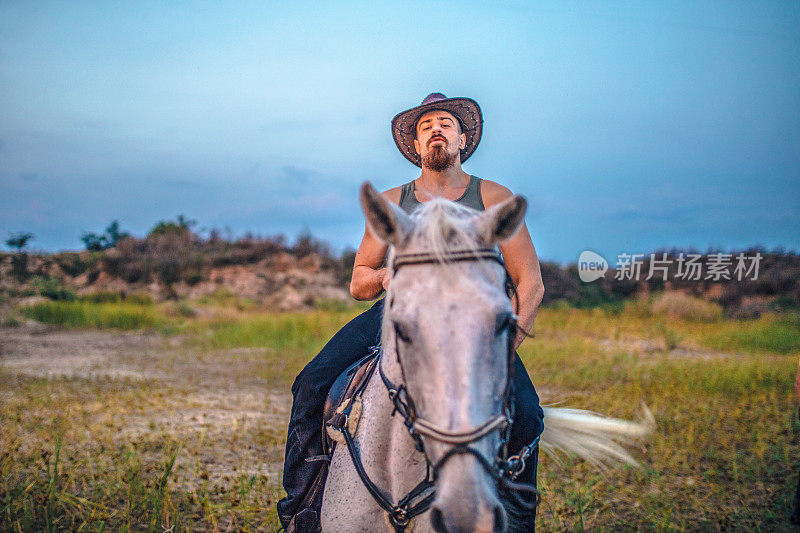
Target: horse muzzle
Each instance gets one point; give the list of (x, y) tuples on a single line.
[(466, 499)]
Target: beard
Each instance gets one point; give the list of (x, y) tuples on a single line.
[(438, 159)]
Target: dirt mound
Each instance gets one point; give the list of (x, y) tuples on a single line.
[(280, 281)]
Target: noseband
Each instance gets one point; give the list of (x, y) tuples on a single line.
[(503, 470)]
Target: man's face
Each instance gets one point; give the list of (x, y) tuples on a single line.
[(439, 140)]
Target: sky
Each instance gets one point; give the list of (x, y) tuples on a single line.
[(628, 126)]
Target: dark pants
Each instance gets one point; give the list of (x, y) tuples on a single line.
[(304, 442)]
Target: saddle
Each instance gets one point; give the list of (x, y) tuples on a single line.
[(343, 404)]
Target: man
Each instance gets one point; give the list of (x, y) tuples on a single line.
[(437, 136)]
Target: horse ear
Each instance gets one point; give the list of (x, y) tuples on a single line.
[(388, 223), (501, 221)]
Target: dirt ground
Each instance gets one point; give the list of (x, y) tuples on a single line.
[(213, 398)]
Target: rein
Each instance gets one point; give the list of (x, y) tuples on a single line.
[(503, 470)]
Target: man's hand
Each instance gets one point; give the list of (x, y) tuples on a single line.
[(370, 277)]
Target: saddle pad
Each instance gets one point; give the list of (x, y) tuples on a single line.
[(344, 393)]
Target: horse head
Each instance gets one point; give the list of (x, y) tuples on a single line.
[(448, 328)]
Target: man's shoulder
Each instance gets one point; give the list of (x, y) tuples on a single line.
[(493, 193)]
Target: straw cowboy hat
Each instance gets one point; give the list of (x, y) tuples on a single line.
[(466, 110)]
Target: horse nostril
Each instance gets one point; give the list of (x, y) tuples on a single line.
[(437, 520), (499, 519)]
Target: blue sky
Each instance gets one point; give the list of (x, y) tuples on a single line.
[(628, 125)]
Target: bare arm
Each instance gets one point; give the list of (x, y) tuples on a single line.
[(369, 273), (522, 263)]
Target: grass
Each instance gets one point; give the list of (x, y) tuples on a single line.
[(723, 456), (772, 333), (86, 314), (75, 473)]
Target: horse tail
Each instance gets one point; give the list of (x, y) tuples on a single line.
[(596, 438)]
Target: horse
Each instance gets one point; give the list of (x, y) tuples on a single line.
[(446, 342)]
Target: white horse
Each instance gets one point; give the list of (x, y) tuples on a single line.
[(446, 349)]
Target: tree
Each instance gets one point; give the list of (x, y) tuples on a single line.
[(114, 234), (183, 226), (19, 261), (19, 240), (95, 242)]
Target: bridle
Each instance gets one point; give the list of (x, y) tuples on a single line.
[(503, 469)]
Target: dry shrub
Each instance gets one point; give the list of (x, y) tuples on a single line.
[(751, 307), (640, 306), (71, 263), (680, 305)]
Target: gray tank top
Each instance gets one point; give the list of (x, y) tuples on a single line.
[(470, 198)]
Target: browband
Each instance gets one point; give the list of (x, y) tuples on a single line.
[(445, 257)]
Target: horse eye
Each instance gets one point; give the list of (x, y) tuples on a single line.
[(401, 332), (504, 322)]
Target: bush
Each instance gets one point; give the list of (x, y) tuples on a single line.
[(184, 309), (679, 305), (70, 263), (182, 227), (53, 289), (671, 337), (11, 322), (19, 266), (344, 268), (193, 277), (639, 307), (307, 244)]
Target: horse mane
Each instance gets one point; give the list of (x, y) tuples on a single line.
[(444, 225)]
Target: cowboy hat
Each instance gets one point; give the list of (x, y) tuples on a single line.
[(466, 110)]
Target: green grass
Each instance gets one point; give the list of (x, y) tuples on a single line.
[(724, 455), (83, 314), (280, 331), (289, 340), (771, 333)]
